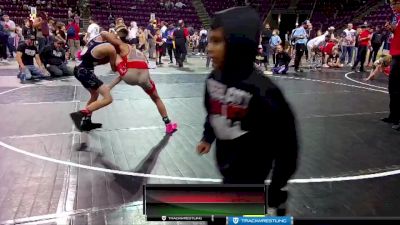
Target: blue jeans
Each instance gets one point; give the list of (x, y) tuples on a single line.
[(347, 50), (10, 46), (31, 71)]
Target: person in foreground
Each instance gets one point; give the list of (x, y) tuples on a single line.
[(247, 115), (133, 68), (97, 52)]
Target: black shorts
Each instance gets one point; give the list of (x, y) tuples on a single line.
[(87, 78)]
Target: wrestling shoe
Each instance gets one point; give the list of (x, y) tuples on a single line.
[(388, 120), (77, 119), (87, 125), (170, 128)]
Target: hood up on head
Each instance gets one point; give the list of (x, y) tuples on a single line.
[(241, 26)]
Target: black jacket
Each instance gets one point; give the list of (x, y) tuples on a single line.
[(247, 114), (50, 55), (282, 58)]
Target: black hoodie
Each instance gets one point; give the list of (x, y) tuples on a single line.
[(247, 114)]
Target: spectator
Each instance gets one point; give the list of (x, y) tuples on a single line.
[(133, 33), (265, 37), (3, 44), (77, 19), (26, 52), (259, 58), (150, 31), (376, 43), (70, 13), (348, 43), (42, 30), (54, 57), (363, 40), (194, 39), (142, 39), (60, 32), (159, 46), (9, 28), (274, 42), (169, 42), (28, 30), (282, 61), (52, 28), (92, 31), (73, 38), (112, 29), (300, 36), (180, 37), (203, 41), (161, 3)]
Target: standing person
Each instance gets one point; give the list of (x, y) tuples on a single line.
[(159, 47), (150, 38), (180, 44), (60, 32), (133, 68), (300, 36), (274, 42), (97, 52), (9, 28), (394, 75), (92, 31), (348, 43), (133, 33), (73, 38), (26, 53), (244, 107), (376, 43), (3, 44), (363, 42), (142, 39), (265, 37), (203, 41), (41, 25), (169, 43), (27, 29)]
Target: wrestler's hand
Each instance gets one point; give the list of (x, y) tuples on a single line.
[(203, 148)]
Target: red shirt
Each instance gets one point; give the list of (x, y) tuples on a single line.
[(395, 44), (329, 47), (76, 31), (185, 32), (364, 34)]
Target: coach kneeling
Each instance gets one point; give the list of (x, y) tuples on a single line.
[(53, 56)]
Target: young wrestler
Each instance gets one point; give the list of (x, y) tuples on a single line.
[(133, 68), (97, 52), (381, 65)]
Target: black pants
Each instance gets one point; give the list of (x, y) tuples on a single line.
[(300, 48), (3, 47), (180, 52), (374, 52), (361, 56), (170, 48), (394, 89), (202, 46)]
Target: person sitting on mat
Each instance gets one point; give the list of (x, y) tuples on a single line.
[(282, 61)]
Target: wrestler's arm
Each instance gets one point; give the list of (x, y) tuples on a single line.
[(112, 54)]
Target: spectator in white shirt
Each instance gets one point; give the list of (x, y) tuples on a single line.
[(92, 31), (348, 43), (133, 32), (9, 28)]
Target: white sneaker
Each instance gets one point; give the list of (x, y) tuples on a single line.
[(325, 66)]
